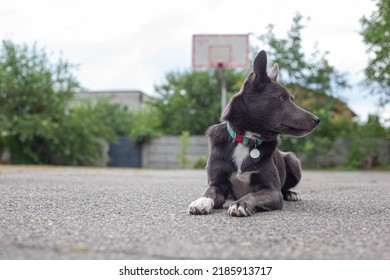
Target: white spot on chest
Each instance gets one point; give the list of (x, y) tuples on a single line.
[(241, 152), (240, 180)]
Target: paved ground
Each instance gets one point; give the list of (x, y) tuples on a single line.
[(86, 213)]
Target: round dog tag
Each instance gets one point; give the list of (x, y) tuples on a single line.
[(255, 153)]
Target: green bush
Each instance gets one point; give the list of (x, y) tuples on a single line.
[(201, 163), (184, 143), (41, 123)]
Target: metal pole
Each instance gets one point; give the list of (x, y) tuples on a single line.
[(223, 89)]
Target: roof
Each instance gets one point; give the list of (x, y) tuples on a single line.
[(308, 99), (114, 91), (131, 99)]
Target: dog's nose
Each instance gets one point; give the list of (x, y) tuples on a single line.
[(316, 119)]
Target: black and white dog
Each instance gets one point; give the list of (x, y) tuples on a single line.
[(244, 162)]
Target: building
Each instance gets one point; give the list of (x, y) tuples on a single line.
[(131, 99), (125, 152)]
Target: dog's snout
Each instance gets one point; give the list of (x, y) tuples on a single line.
[(316, 119)]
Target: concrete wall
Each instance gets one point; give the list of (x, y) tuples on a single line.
[(161, 152), (338, 155)]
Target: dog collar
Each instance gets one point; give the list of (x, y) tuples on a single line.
[(241, 138)]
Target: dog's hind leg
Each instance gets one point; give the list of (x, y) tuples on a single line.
[(293, 176)]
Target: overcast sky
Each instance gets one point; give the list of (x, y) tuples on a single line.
[(132, 44)]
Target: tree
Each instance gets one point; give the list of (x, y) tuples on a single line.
[(33, 96), (314, 73), (367, 140), (191, 100), (88, 126), (376, 33), (41, 123), (314, 83)]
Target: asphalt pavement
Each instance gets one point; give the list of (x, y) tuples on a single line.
[(111, 213)]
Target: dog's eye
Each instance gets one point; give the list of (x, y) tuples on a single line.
[(282, 98)]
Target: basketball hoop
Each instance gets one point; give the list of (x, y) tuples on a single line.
[(220, 65), (220, 52)]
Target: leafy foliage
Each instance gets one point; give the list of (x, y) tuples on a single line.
[(41, 123), (376, 33), (365, 140), (314, 73), (191, 100), (33, 98), (144, 125), (184, 143)]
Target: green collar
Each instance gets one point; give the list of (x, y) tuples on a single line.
[(240, 138)]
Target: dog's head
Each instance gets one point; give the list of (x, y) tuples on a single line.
[(264, 107)]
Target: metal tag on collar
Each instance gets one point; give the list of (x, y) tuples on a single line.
[(254, 153)]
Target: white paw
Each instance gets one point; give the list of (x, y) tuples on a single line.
[(292, 196), (201, 206), (239, 210)]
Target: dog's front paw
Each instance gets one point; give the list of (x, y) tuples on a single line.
[(201, 206), (240, 209)]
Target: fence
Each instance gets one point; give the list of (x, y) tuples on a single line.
[(162, 153)]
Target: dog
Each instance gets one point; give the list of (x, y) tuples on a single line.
[(244, 162)]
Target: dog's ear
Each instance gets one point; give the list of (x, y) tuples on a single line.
[(274, 73), (260, 67)]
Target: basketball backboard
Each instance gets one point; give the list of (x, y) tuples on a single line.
[(220, 51)]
